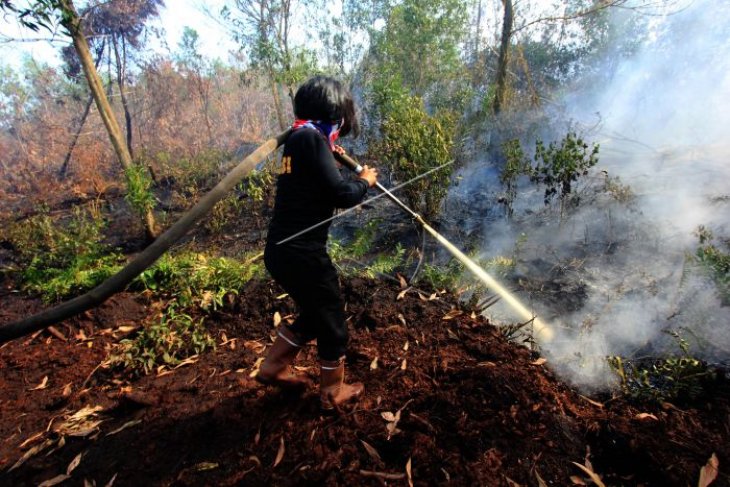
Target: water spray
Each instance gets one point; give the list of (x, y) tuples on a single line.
[(541, 329)]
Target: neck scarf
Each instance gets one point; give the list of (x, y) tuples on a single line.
[(330, 130)]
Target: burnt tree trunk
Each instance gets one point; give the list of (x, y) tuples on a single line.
[(500, 97), (63, 172)]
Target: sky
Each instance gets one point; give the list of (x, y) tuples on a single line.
[(176, 15)]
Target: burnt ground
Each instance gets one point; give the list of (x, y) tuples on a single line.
[(447, 401), (469, 407)]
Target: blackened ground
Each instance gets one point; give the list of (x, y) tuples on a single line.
[(474, 409)]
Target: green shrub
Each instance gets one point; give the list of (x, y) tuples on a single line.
[(139, 189), (61, 260), (515, 165), (255, 186), (360, 245), (680, 377), (559, 165), (414, 142), (174, 337), (197, 279), (714, 257)]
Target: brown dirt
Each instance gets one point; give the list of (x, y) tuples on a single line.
[(474, 409)]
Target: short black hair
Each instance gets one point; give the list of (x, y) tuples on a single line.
[(324, 98)]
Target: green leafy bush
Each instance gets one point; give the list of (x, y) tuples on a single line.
[(360, 245), (559, 165), (60, 260), (174, 337), (197, 279), (252, 190), (714, 256), (680, 377), (139, 189), (414, 142)]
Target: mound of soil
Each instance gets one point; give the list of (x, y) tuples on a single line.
[(447, 401)]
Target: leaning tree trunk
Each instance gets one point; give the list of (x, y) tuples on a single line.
[(148, 256), (121, 74), (500, 97), (66, 160), (72, 23)]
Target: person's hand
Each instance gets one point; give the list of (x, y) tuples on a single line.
[(338, 149), (369, 174)]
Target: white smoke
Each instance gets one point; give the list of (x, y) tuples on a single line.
[(662, 124)]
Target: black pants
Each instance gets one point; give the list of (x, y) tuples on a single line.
[(307, 274)]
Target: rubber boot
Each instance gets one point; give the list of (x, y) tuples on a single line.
[(275, 369), (333, 390)]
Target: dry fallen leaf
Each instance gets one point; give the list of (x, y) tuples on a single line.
[(404, 364), (42, 385), (30, 440), (111, 480), (388, 416), (452, 314), (709, 472), (405, 346), (511, 482), (277, 319), (409, 473), (256, 365), (539, 361), (402, 294), (593, 475), (403, 282), (66, 390), (642, 416), (280, 453), (82, 423), (54, 481), (126, 425), (371, 451), (203, 466), (281, 296), (33, 451), (74, 463), (374, 364)]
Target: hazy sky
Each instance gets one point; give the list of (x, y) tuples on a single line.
[(173, 18)]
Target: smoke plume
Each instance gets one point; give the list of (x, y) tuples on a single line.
[(619, 269)]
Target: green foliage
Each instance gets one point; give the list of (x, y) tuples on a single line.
[(420, 43), (197, 279), (360, 245), (139, 189), (384, 263), (661, 380), (714, 256), (191, 174), (442, 277), (174, 337), (515, 165), (256, 186), (62, 260), (414, 142), (679, 377), (558, 166), (39, 14)]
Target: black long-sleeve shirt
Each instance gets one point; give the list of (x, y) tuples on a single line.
[(309, 188)]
